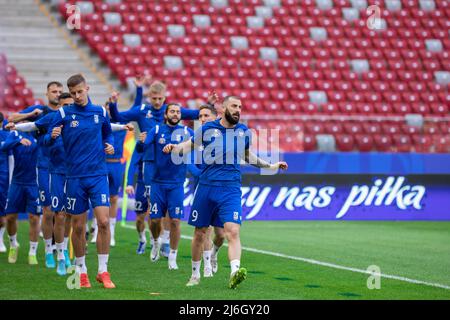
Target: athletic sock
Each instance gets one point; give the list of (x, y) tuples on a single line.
[(80, 263), (103, 263), (207, 259), (112, 226), (142, 237), (166, 236), (13, 241), (65, 243), (173, 255), (48, 246), (235, 264), (2, 232), (196, 268), (60, 250), (94, 224), (33, 248)]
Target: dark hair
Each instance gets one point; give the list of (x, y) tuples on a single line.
[(64, 95), (171, 104), (230, 97), (209, 107), (75, 80), (2, 117), (55, 83)]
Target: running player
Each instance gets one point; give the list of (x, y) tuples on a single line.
[(167, 193), (4, 182), (33, 113), (228, 143), (86, 134), (23, 192), (211, 246), (148, 116), (140, 200)]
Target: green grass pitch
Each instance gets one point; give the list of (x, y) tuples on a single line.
[(410, 250)]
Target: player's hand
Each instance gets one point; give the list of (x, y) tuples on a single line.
[(10, 126), (129, 190), (114, 97), (143, 136), (168, 148), (280, 165), (213, 97), (109, 149), (56, 132), (129, 127), (25, 142), (36, 112)]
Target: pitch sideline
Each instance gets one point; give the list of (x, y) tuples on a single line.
[(326, 264)]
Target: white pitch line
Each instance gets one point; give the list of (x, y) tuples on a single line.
[(330, 265)]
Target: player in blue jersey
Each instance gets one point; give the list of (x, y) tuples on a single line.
[(226, 143), (86, 134), (147, 116), (23, 191), (4, 182), (166, 189), (33, 113), (211, 246), (140, 201)]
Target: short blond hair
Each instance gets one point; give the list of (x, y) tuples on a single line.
[(157, 87)]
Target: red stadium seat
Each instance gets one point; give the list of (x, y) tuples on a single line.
[(344, 142)]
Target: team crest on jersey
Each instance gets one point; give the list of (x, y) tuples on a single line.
[(149, 114), (240, 133), (178, 210), (74, 116), (178, 138), (216, 133), (74, 124), (103, 198), (162, 140), (96, 118), (235, 216), (201, 148)]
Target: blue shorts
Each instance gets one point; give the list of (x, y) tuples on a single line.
[(44, 187), (81, 191), (4, 184), (141, 200), (57, 192), (115, 177), (22, 198), (166, 198), (147, 172), (216, 205)]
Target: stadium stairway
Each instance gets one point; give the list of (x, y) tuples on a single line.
[(40, 51)]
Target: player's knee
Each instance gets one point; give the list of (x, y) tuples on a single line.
[(102, 223), (232, 232), (200, 234), (174, 223)]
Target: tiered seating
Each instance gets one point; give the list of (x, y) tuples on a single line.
[(287, 59), (14, 94)]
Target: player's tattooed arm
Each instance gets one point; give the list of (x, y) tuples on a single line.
[(256, 161)]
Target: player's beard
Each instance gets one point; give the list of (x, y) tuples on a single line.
[(173, 122), (230, 118)]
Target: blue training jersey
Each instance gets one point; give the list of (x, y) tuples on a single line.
[(147, 117), (25, 157), (4, 163), (136, 164), (223, 151), (119, 138), (85, 131), (43, 154), (167, 170)]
